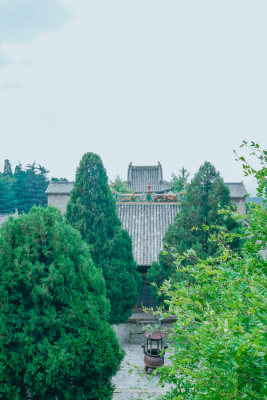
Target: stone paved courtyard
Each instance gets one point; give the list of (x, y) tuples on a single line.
[(136, 385)]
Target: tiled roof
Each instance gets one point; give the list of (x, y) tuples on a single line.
[(140, 176), (146, 224), (237, 189), (59, 187)]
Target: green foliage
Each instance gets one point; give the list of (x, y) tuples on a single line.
[(55, 339), (179, 182), (261, 173), (29, 186), (92, 211), (24, 189), (204, 196), (119, 185), (219, 339)]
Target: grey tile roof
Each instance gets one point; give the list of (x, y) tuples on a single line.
[(140, 176), (237, 189), (59, 187), (146, 224)]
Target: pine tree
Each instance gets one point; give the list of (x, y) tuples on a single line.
[(55, 338), (92, 211), (204, 195), (22, 190), (8, 201), (7, 168), (178, 182), (40, 186)]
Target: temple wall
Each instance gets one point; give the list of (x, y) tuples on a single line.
[(240, 204), (59, 201)]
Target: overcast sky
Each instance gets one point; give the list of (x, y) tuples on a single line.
[(174, 81)]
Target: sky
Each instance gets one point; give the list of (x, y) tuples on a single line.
[(142, 81)]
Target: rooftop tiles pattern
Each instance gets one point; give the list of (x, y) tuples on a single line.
[(237, 189), (59, 187), (146, 224)]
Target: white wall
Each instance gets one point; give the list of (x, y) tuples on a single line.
[(59, 201)]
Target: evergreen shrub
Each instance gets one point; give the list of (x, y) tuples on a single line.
[(55, 338)]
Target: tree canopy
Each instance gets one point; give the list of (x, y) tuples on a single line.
[(92, 211), (55, 338), (204, 195)]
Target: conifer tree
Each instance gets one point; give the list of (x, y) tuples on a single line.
[(178, 182), (7, 168), (7, 198), (92, 211), (204, 195), (22, 190), (55, 338)]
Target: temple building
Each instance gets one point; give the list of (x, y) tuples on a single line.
[(145, 212)]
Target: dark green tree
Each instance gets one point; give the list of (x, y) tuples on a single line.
[(178, 182), (92, 211), (7, 197), (204, 196), (121, 276), (22, 190), (7, 168), (55, 338)]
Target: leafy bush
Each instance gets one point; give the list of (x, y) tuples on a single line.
[(55, 338), (219, 339), (119, 185)]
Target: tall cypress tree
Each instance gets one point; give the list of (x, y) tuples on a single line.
[(204, 195), (7, 168), (92, 211)]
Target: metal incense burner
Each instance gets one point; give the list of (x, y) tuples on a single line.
[(154, 349)]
